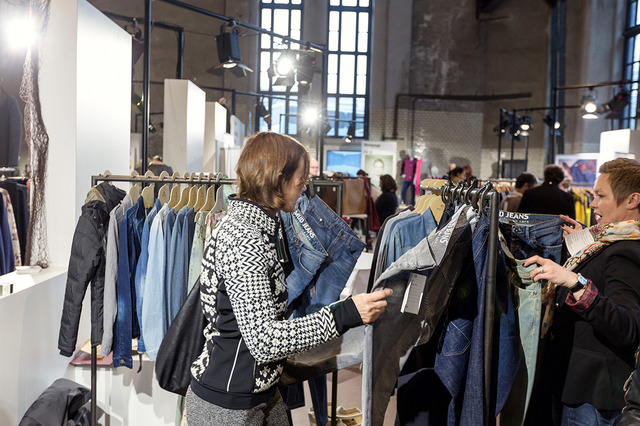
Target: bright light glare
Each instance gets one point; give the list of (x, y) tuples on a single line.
[(556, 125), (284, 65), (589, 116), (525, 126), (310, 116), (590, 107), (20, 34)]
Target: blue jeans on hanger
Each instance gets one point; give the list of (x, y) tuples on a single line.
[(588, 415), (459, 362), (532, 234)]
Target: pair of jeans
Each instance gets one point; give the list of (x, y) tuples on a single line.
[(127, 325), (532, 234), (141, 268), (408, 184), (528, 312), (588, 415), (390, 339), (460, 359), (176, 268), (307, 254), (343, 248), (154, 306)]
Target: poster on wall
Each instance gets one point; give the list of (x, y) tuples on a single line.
[(581, 169), (379, 158)]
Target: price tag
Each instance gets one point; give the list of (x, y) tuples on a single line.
[(413, 294), (578, 240)]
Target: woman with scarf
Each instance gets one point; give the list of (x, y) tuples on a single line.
[(596, 327)]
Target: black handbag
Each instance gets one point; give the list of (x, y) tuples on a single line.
[(182, 344)]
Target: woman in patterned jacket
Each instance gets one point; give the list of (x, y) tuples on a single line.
[(244, 295)]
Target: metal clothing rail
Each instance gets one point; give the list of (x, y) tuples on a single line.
[(487, 201), (217, 181)]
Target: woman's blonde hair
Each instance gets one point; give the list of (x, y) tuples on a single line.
[(267, 162)]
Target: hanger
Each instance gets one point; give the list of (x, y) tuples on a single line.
[(193, 191), (220, 205), (211, 196), (201, 197), (163, 192), (134, 191), (184, 195), (175, 192)]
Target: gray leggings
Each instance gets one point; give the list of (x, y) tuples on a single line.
[(203, 413)]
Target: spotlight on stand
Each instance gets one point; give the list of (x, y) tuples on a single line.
[(229, 54), (261, 111), (305, 68), (549, 121), (617, 104), (589, 106), (285, 69), (350, 132), (525, 125)]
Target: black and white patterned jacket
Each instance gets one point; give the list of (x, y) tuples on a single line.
[(244, 298)]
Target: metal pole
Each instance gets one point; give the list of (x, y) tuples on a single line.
[(180, 54), (526, 152), (489, 305), (515, 123), (146, 86), (499, 173), (552, 148), (94, 385)]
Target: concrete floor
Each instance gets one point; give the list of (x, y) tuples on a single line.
[(349, 396)]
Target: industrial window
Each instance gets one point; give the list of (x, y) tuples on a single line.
[(632, 63), (348, 65), (282, 17)]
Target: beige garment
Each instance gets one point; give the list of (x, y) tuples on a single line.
[(15, 241)]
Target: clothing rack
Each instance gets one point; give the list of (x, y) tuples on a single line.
[(212, 179), (487, 201)]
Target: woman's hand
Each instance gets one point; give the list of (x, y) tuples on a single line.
[(551, 271), (371, 305), (568, 229)]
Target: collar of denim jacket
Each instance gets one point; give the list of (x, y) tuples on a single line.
[(429, 252)]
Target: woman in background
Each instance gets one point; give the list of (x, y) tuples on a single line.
[(387, 202)]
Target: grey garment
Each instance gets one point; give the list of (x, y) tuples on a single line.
[(203, 413), (10, 131), (389, 341), (110, 308)]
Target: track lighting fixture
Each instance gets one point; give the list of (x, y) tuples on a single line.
[(617, 104), (229, 54), (350, 132), (261, 111), (589, 106)]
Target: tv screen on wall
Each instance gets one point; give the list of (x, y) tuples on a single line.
[(344, 161)]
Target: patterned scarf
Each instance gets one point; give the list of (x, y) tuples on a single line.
[(602, 237)]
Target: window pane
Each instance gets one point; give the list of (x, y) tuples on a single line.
[(264, 81), (364, 3), (332, 64), (332, 83), (347, 74), (362, 65), (334, 21), (360, 108), (348, 32), (349, 2), (281, 1), (295, 20), (363, 22), (296, 2), (266, 19), (277, 112), (265, 41), (333, 41), (363, 42), (331, 114), (265, 61), (266, 1), (335, 3), (361, 85), (359, 130), (281, 21), (345, 106)]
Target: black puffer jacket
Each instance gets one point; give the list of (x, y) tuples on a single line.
[(87, 264)]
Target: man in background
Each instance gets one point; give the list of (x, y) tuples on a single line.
[(525, 181), (548, 198)]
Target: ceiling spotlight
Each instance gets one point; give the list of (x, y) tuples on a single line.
[(286, 62), (350, 132), (589, 106), (617, 104), (261, 111), (305, 68), (229, 54)]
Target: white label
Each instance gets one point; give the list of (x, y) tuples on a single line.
[(578, 240), (413, 294)]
